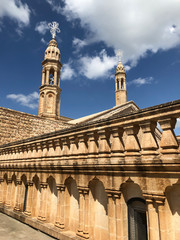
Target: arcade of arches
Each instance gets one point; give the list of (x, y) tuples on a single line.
[(116, 179)]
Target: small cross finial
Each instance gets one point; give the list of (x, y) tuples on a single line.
[(119, 54), (54, 28)]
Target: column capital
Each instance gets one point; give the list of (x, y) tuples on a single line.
[(113, 193), (19, 182), (43, 185), (30, 183), (60, 187), (83, 190), (159, 199)]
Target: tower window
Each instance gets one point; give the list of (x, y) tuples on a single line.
[(117, 84), (137, 224), (122, 83), (51, 79)]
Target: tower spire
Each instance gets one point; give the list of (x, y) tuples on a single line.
[(49, 99), (120, 81)]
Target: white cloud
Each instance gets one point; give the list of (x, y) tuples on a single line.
[(42, 27), (78, 44), (44, 41), (67, 72), (98, 66), (134, 26), (141, 81), (30, 100), (15, 10)]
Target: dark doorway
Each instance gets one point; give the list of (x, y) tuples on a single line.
[(137, 224)]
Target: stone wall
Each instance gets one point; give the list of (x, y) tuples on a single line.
[(16, 125)]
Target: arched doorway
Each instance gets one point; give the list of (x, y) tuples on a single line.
[(137, 224)]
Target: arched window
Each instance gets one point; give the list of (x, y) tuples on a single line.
[(122, 83), (51, 79), (137, 224), (117, 84)]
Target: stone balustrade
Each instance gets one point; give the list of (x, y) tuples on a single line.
[(130, 137)]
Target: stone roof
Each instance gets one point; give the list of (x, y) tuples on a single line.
[(126, 108)]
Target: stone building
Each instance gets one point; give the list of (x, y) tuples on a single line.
[(112, 175)]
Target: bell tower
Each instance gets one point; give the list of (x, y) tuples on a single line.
[(49, 99), (120, 83)]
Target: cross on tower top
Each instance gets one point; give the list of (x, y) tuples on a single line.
[(119, 54), (54, 28)]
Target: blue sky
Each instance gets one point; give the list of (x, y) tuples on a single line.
[(147, 32)]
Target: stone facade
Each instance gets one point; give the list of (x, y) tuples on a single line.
[(108, 176), (15, 126), (78, 183)]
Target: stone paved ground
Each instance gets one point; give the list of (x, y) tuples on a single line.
[(11, 229)]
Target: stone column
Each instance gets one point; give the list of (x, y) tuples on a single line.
[(47, 76), (1, 190), (81, 219), (148, 143), (60, 207), (119, 220), (42, 210), (114, 214), (162, 218), (18, 195), (43, 77), (86, 214), (29, 199), (8, 195), (55, 77), (153, 224), (131, 143), (111, 216), (168, 142), (83, 230)]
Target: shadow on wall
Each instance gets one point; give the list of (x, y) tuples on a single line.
[(98, 192), (173, 197)]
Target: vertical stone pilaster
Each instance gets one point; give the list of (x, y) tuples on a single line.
[(1, 190), (8, 195), (55, 77), (18, 196), (162, 218), (86, 214), (83, 229), (81, 206), (47, 76), (60, 207), (114, 214), (153, 222), (29, 199), (42, 210), (43, 77)]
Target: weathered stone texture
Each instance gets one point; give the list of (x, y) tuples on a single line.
[(16, 125)]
